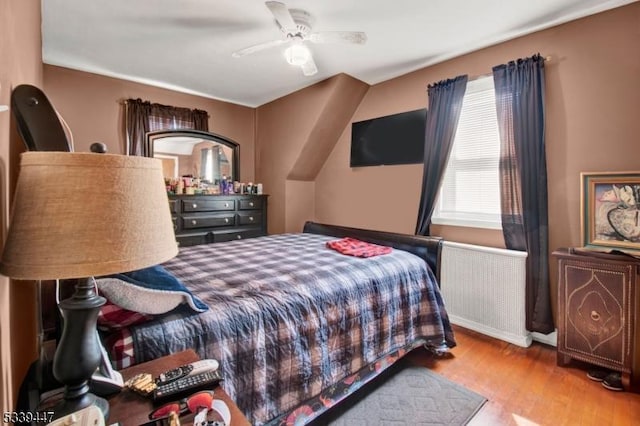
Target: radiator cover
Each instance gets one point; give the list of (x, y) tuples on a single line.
[(484, 290)]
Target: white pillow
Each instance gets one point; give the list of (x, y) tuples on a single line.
[(139, 299)]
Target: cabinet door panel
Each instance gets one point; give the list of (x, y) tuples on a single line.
[(595, 306), (596, 313)]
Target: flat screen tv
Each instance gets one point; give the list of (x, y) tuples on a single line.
[(389, 140)]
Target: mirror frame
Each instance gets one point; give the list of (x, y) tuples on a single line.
[(151, 137)]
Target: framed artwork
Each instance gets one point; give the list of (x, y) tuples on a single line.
[(610, 211)]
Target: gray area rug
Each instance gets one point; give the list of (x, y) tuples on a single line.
[(407, 395)]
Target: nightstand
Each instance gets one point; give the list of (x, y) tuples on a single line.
[(129, 408), (598, 311)]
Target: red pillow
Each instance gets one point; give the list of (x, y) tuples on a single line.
[(113, 317)]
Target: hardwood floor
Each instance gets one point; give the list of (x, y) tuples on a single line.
[(524, 386)]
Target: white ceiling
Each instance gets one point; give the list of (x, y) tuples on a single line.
[(186, 45)]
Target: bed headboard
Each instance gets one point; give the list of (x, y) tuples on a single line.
[(427, 248)]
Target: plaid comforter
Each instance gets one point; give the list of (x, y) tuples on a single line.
[(289, 317)]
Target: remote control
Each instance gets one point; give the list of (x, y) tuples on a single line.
[(174, 374), (187, 370), (186, 386)]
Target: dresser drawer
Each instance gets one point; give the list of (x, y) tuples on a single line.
[(219, 237), (204, 205), (206, 219), (186, 240), (194, 222), (250, 204), (250, 217)]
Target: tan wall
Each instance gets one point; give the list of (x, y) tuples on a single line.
[(592, 107), (300, 202), (91, 105), (593, 101), (283, 127), (20, 62), (592, 125), (295, 134), (387, 197)]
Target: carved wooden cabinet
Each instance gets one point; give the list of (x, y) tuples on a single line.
[(598, 310), (205, 219)]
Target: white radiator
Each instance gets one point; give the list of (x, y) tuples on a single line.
[(484, 290)]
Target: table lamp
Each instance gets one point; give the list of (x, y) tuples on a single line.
[(79, 215)]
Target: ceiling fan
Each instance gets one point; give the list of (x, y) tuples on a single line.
[(296, 24)]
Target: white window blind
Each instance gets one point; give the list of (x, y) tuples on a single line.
[(470, 193)]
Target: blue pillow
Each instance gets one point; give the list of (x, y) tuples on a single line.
[(145, 289)]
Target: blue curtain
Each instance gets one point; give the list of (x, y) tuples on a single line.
[(445, 104), (519, 89)]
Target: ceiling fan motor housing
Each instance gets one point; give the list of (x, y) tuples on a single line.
[(296, 25), (303, 20)]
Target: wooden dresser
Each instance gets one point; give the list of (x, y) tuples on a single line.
[(205, 219), (598, 310)]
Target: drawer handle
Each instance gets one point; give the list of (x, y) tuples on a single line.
[(595, 316), (175, 227), (226, 204), (226, 220), (251, 218), (251, 204), (193, 222), (239, 237), (195, 206)]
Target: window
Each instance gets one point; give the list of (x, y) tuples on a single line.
[(470, 191)]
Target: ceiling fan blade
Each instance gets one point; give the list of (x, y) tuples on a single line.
[(258, 47), (356, 37), (282, 15), (309, 68)]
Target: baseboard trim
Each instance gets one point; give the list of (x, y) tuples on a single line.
[(550, 339), (518, 340)]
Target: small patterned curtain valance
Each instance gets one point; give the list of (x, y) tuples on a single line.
[(143, 116)]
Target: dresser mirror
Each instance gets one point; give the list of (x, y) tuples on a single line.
[(195, 153)]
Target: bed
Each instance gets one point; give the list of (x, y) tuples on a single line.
[(295, 325)]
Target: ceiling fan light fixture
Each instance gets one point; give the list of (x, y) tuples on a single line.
[(298, 54), (296, 25)]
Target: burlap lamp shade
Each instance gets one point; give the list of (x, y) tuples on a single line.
[(83, 214), (78, 215)]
